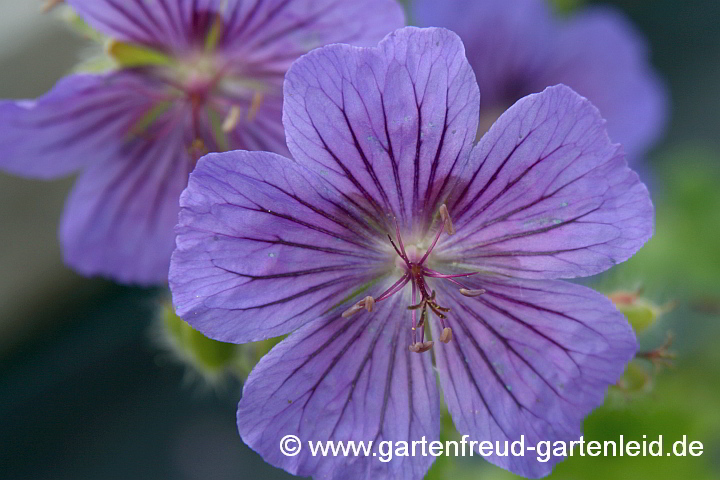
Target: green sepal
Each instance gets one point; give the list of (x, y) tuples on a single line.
[(128, 55), (206, 354)]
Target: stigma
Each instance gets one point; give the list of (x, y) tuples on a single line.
[(425, 304)]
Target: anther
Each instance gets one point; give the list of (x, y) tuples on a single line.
[(446, 335), (232, 119), (445, 216), (472, 293), (255, 104), (198, 148), (420, 347), (367, 303)]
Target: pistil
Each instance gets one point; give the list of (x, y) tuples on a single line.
[(415, 274)]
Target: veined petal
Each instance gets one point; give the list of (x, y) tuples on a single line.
[(529, 358), (604, 58), (343, 379), (118, 221), (83, 119), (259, 31), (392, 124), (159, 23), (270, 34), (549, 196), (264, 132), (264, 245), (507, 41)]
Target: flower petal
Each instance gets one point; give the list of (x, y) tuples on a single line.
[(263, 245), (344, 379), (529, 358), (507, 41), (604, 58), (160, 23), (259, 31), (118, 221), (271, 34), (76, 123), (392, 124), (549, 196)]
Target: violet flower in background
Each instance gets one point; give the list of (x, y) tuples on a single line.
[(193, 77), (518, 47), (390, 222)]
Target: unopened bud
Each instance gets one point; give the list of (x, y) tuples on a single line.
[(640, 312)]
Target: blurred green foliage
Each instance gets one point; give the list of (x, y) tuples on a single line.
[(684, 251), (566, 6)]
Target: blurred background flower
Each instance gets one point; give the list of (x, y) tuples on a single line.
[(86, 394)]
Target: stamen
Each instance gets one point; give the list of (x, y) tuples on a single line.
[(421, 347), (257, 100), (446, 335), (434, 274), (472, 293), (414, 315), (445, 215), (415, 273), (436, 310), (399, 237), (396, 287), (198, 149), (367, 303), (427, 254), (400, 254), (232, 119), (437, 307)]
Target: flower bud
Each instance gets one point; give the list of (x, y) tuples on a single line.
[(640, 312)]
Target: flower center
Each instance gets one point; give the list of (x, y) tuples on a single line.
[(215, 91), (424, 299)]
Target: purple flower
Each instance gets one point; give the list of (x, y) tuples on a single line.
[(195, 76), (390, 222), (518, 47)]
